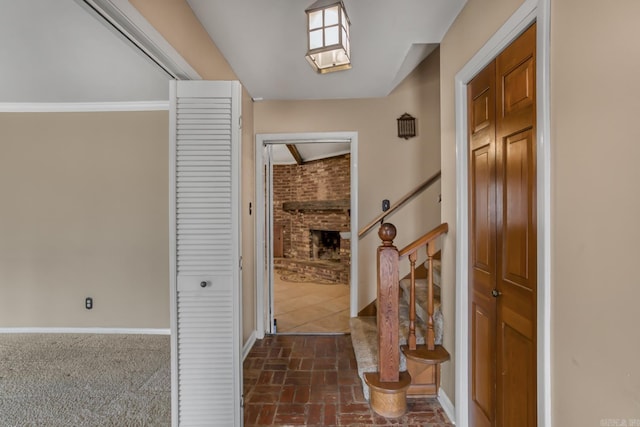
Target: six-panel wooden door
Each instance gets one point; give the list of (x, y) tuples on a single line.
[(502, 238)]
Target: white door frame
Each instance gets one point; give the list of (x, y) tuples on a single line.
[(530, 11), (263, 234)]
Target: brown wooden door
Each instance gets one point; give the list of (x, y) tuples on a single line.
[(502, 184), (482, 245), (516, 232)]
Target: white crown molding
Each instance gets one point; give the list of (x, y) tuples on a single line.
[(80, 107), (131, 331), (128, 21)]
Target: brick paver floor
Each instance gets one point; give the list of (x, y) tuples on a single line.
[(313, 381)]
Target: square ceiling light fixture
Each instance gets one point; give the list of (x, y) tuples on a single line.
[(328, 44)]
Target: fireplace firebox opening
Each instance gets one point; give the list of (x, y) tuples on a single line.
[(325, 245)]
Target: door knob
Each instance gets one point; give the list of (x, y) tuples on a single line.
[(203, 284), (495, 293)]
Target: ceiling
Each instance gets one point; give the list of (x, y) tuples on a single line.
[(308, 151), (60, 52), (57, 52), (265, 44)]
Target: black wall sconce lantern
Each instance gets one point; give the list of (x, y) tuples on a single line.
[(406, 126)]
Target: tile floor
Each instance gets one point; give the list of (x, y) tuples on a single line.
[(296, 380), (303, 307)]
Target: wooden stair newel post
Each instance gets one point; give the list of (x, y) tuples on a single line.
[(388, 387), (388, 306)]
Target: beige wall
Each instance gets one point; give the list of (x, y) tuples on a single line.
[(176, 22), (595, 63), (388, 167), (472, 28), (84, 213)]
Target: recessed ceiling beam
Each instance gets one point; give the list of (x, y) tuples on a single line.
[(295, 153)]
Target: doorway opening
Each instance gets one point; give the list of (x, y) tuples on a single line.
[(305, 207)]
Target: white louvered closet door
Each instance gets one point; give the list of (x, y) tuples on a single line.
[(205, 325)]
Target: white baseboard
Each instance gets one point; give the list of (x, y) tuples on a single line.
[(248, 345), (132, 331), (447, 406)]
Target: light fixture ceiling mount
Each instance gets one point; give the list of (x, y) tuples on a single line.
[(328, 42)]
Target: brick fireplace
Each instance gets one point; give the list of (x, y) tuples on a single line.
[(311, 205)]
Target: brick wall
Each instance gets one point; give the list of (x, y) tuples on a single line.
[(326, 179)]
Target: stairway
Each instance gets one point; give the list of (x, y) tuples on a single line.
[(364, 335)]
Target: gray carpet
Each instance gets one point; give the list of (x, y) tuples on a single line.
[(84, 380)]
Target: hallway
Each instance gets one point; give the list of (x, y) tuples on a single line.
[(313, 380)]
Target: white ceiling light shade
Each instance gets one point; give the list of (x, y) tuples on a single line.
[(328, 44)]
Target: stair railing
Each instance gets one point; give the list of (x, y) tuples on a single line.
[(388, 259), (388, 386), (411, 251), (404, 199)]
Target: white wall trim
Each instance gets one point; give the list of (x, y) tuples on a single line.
[(447, 405), (131, 331), (531, 10), (543, 73), (173, 273), (262, 297), (81, 107), (248, 345), (124, 18)]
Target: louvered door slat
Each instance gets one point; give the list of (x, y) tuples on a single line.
[(205, 220), (202, 326)]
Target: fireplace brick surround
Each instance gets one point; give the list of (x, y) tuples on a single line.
[(313, 196)]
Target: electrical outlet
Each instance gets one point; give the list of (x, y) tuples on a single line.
[(88, 303)]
